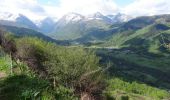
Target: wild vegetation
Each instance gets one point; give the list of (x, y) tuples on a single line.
[(32, 68), (71, 70), (132, 65)]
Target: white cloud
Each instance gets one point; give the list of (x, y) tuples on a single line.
[(30, 8), (83, 7), (33, 10), (148, 7)]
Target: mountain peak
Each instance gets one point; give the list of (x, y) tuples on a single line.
[(17, 19), (9, 16), (46, 20), (72, 17), (119, 17), (98, 14)]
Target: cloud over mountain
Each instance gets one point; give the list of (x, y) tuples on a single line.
[(36, 10), (30, 8), (148, 7)]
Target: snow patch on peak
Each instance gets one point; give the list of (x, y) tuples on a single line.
[(119, 17), (96, 16), (123, 17), (73, 17), (9, 16)]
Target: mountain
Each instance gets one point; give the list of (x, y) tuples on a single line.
[(70, 18), (99, 16), (70, 26), (73, 26), (46, 25), (143, 21), (119, 18), (21, 32), (149, 33), (18, 20), (139, 50)]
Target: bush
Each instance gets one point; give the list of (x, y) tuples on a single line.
[(21, 87), (73, 68)]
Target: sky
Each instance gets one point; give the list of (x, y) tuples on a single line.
[(39, 9)]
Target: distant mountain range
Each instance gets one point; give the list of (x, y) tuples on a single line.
[(151, 32), (71, 26), (75, 26)]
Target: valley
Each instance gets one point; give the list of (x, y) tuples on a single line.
[(100, 57)]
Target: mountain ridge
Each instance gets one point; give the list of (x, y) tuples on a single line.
[(74, 26), (19, 20)]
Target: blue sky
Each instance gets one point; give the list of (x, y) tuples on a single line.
[(39, 9), (123, 2), (49, 2)]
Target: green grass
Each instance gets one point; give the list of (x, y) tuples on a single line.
[(148, 36), (5, 63), (119, 38), (24, 87), (135, 89), (21, 87)]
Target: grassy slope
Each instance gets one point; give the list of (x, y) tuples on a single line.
[(143, 57), (136, 76), (134, 91), (21, 86)]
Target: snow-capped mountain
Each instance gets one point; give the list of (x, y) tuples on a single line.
[(71, 18), (70, 26), (75, 17), (99, 16), (8, 16), (96, 15), (119, 18), (73, 25), (18, 20)]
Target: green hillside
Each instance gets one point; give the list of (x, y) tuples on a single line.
[(30, 70), (25, 32), (82, 31), (139, 51), (151, 34)]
